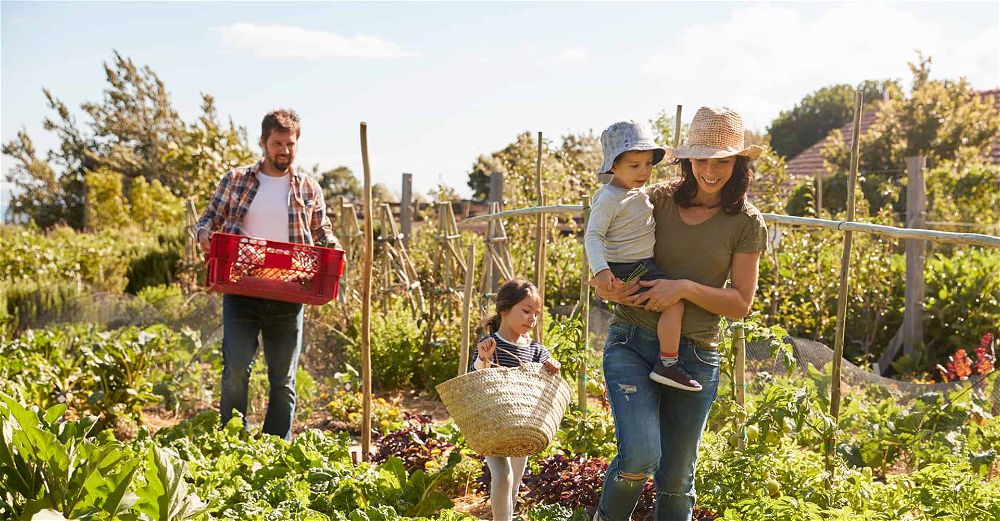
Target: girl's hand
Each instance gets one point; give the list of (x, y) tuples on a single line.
[(552, 365), (661, 294), (486, 349)]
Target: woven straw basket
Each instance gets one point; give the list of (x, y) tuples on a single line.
[(507, 411)]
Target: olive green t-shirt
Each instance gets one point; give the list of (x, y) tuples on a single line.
[(702, 253)]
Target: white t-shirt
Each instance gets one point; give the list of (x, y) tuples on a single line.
[(267, 217)]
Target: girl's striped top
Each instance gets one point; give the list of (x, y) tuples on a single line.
[(527, 350)]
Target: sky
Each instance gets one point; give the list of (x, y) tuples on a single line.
[(441, 83)]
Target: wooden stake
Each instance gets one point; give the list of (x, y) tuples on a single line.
[(581, 375), (366, 305), (406, 209), (540, 245), (845, 277), (740, 373), (463, 355), (677, 126)]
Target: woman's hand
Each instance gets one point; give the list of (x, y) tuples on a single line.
[(486, 349), (552, 365), (661, 294)]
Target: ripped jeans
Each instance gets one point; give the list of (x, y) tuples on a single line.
[(658, 428)]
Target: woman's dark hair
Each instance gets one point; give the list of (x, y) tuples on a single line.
[(512, 292), (734, 192)]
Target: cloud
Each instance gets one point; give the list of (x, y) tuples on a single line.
[(284, 41), (572, 55), (764, 53)]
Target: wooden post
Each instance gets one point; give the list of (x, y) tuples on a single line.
[(845, 265), (406, 208), (540, 245), (463, 355), (913, 328), (496, 187), (677, 126), (581, 375), (366, 306), (740, 374), (819, 195)]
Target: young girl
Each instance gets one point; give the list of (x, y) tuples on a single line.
[(518, 306), (620, 236)]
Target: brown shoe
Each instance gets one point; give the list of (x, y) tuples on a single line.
[(674, 376)]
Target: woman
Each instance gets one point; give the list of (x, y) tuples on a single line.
[(706, 233)]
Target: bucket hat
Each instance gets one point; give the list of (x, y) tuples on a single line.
[(627, 136), (715, 132)]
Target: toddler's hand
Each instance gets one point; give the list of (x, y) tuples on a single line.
[(486, 349), (552, 365), (605, 280)]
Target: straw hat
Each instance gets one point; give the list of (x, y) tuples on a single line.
[(715, 133)]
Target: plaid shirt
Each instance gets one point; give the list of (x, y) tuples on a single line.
[(307, 219)]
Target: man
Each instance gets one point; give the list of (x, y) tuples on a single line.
[(273, 201)]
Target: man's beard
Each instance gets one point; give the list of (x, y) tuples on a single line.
[(280, 164)]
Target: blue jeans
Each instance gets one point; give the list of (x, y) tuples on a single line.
[(658, 428), (279, 324)]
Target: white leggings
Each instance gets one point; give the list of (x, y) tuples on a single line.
[(505, 474)]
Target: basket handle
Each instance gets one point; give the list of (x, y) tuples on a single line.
[(497, 358)]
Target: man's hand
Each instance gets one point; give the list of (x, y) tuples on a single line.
[(552, 365), (605, 281), (204, 240), (486, 349)]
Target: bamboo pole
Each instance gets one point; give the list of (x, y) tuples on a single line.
[(973, 239), (540, 245), (677, 126), (532, 210), (463, 356), (366, 306), (581, 374), (845, 277), (739, 374)]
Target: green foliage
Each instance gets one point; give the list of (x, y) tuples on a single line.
[(339, 182), (133, 133), (816, 115), (568, 172), (44, 272), (945, 121), (781, 474), (962, 300), (108, 374), (957, 193)]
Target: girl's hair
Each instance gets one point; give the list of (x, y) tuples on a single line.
[(512, 292), (734, 192)]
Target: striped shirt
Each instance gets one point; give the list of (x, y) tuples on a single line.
[(529, 351), (307, 219)]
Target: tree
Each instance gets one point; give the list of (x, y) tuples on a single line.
[(816, 115), (134, 132), (205, 151), (43, 196), (945, 121), (338, 182), (568, 172)]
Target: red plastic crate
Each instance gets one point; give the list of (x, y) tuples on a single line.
[(286, 271)]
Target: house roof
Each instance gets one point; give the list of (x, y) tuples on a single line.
[(809, 162)]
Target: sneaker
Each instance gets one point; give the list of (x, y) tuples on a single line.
[(673, 376)]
